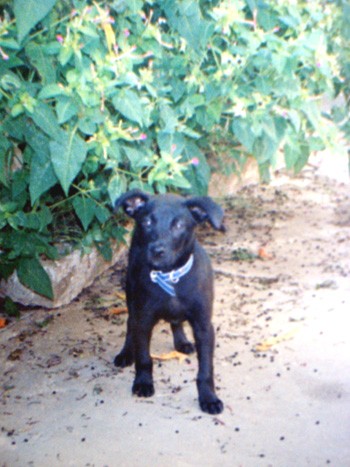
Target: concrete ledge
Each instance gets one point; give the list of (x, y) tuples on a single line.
[(69, 276)]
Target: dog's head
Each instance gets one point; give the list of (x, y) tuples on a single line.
[(165, 224)]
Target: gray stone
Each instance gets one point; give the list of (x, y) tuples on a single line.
[(69, 276)]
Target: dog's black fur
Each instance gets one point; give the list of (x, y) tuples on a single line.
[(163, 240)]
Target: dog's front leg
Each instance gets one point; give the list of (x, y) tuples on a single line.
[(204, 338), (126, 355), (143, 383)]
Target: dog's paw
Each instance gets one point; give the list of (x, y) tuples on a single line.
[(213, 406), (123, 359), (143, 389), (185, 347)]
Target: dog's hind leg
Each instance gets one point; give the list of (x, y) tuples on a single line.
[(181, 343)]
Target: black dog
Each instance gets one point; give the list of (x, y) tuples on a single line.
[(169, 277)]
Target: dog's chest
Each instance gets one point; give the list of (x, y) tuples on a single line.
[(173, 310)]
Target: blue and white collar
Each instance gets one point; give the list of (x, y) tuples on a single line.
[(166, 279)]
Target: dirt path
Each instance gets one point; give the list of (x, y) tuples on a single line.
[(282, 353)]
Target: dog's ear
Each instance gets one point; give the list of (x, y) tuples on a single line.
[(131, 202), (204, 209)]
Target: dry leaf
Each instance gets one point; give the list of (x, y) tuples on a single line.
[(262, 253), (121, 295), (3, 322), (118, 310), (171, 356), (266, 345)]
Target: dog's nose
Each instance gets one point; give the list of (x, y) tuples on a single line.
[(158, 251)]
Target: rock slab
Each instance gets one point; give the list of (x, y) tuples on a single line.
[(69, 276)]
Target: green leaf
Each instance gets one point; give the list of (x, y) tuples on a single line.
[(168, 118), (296, 153), (45, 118), (102, 213), (85, 210), (33, 275), (172, 143), (178, 89), (116, 186), (4, 148), (38, 220), (138, 158), (198, 175), (312, 111), (65, 109), (42, 175), (10, 82), (128, 104), (291, 156), (187, 19), (265, 149), (67, 158), (42, 62), (28, 13), (15, 127), (242, 128), (105, 250), (179, 181), (51, 90), (266, 146), (209, 115), (11, 308), (294, 118), (66, 53)]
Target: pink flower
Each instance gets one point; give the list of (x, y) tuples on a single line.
[(126, 32), (60, 38), (3, 55), (173, 148), (143, 137), (195, 161)]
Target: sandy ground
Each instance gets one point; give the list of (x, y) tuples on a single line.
[(282, 352)]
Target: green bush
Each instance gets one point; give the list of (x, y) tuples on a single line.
[(98, 98), (340, 45)]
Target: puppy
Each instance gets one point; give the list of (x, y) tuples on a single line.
[(169, 277)]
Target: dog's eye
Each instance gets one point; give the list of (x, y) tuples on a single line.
[(178, 224), (147, 222)]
